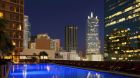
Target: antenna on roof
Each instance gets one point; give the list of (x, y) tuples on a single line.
[(91, 14)]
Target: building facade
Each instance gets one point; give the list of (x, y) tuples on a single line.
[(92, 39), (13, 11), (92, 35), (55, 44), (71, 33), (27, 33), (43, 41), (122, 29)]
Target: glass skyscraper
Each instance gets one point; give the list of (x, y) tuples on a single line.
[(122, 29)]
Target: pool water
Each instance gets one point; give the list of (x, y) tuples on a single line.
[(55, 71)]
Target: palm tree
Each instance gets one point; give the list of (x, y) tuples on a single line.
[(43, 53), (6, 46)]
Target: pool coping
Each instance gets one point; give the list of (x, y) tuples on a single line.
[(112, 72)]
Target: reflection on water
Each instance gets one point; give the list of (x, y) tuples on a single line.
[(96, 75), (89, 75), (55, 71), (48, 68), (24, 71)]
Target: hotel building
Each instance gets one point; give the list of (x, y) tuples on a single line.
[(13, 11)]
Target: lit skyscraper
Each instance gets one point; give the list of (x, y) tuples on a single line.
[(122, 29), (27, 33), (92, 35), (71, 37)]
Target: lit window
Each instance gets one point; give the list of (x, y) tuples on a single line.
[(13, 43), (116, 52), (128, 28), (15, 9), (128, 9), (137, 0), (124, 43), (122, 19), (129, 55), (138, 36), (19, 28), (113, 58), (136, 10), (120, 58), (130, 17), (1, 14)]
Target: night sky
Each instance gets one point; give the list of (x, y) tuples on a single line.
[(51, 16)]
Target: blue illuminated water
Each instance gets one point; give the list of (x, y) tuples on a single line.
[(55, 71)]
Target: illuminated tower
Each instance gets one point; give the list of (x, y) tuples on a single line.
[(122, 29), (92, 35), (27, 33)]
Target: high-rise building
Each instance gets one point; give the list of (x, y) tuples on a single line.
[(122, 29), (32, 44), (92, 39), (71, 37), (92, 35), (27, 33), (43, 42), (13, 11)]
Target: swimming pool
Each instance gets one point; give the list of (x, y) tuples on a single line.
[(55, 71)]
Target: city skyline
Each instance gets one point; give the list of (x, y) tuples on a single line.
[(70, 38), (51, 17)]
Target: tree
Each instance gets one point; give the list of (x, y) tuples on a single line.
[(6, 46), (33, 59), (43, 53)]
